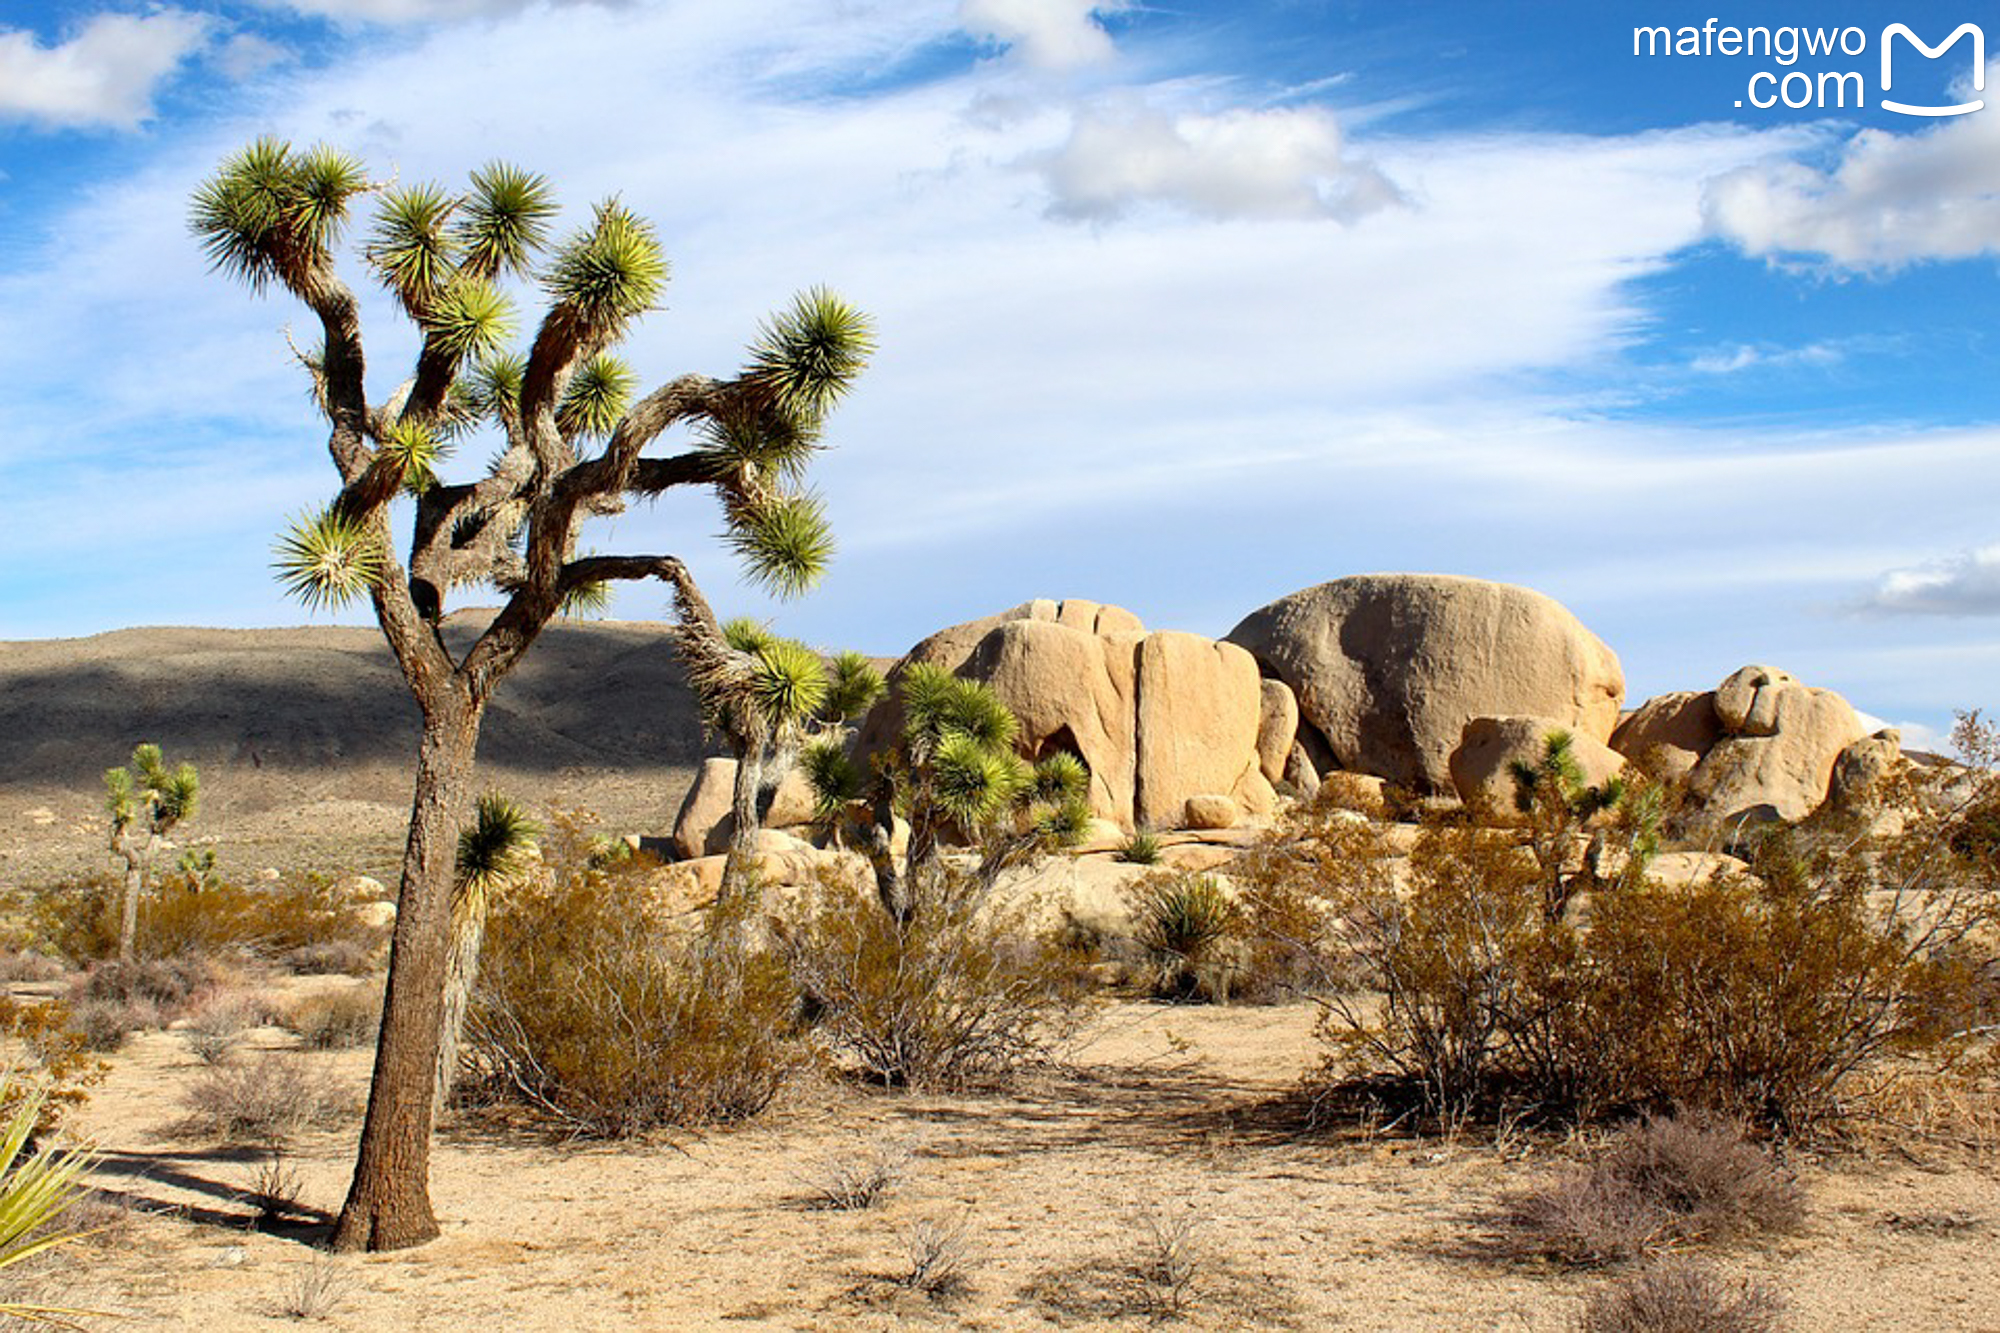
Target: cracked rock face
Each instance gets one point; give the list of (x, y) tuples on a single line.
[(1388, 668), (1158, 717)]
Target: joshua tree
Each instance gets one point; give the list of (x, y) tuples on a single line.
[(952, 768), (1559, 804), (143, 809), (493, 851), (767, 697), (572, 447)]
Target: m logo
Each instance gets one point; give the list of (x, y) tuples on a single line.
[(1894, 30)]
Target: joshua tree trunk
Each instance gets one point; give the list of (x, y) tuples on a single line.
[(739, 873), (388, 1205), (128, 924)]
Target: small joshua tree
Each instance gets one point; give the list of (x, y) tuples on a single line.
[(572, 446), (952, 768), (1559, 804), (145, 801), (767, 697)]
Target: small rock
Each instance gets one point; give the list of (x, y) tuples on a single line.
[(41, 817), (1210, 810), (270, 875)]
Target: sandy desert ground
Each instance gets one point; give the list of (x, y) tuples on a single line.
[(1158, 1112)]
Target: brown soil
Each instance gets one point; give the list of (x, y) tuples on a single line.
[(1160, 1111)]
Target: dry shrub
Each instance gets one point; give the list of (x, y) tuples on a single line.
[(1681, 1296), (1169, 1261), (595, 1007), (269, 1100), (940, 1251), (953, 996), (216, 1029), (1294, 891), (1659, 1183), (27, 965), (316, 1289), (48, 1057), (336, 1020), (192, 916), (1760, 995)]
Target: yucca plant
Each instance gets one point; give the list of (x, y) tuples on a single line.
[(1141, 849), (494, 851), (1181, 920), (574, 432), (145, 802), (35, 1190)]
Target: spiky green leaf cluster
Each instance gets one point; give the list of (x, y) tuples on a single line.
[(270, 213), (788, 682), (327, 560), (495, 847), (150, 791), (410, 249), (852, 688), (597, 397), (503, 222), (494, 384), (586, 601), (415, 450), (832, 774), (34, 1195), (785, 544), (771, 445), (610, 273), (974, 783), (748, 635), (809, 355), (937, 704)]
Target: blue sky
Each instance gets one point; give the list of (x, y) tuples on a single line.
[(1182, 306)]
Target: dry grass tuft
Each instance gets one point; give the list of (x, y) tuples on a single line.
[(847, 1183), (939, 1251), (269, 1100), (1680, 1296), (1658, 1183), (337, 1020), (317, 1289)]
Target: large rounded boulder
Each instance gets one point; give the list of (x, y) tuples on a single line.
[(1388, 668), (1780, 741)]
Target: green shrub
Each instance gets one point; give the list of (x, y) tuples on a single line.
[(596, 1008), (944, 999), (1141, 849)]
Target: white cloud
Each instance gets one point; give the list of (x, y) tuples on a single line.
[(1045, 34), (1887, 200), (102, 77), (1966, 584), (1283, 163)]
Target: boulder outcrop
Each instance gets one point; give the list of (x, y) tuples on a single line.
[(1388, 668), (1776, 757), (705, 822), (1668, 734), (1157, 717)]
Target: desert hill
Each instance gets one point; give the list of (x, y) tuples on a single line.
[(307, 735)]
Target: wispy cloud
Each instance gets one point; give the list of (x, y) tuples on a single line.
[(103, 76), (1044, 34)]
